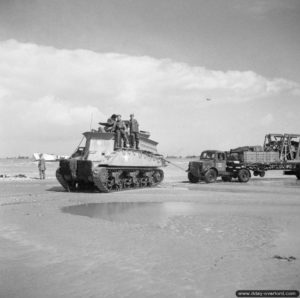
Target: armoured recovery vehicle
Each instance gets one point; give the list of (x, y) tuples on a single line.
[(99, 166)]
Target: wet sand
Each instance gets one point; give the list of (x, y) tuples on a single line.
[(196, 240)]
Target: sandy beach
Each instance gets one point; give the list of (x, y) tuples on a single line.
[(123, 85), (175, 240)]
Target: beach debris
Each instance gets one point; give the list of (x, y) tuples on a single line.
[(289, 259), (49, 157), (20, 176)]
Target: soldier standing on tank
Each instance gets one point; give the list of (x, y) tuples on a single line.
[(134, 132), (119, 128), (110, 123), (42, 167)]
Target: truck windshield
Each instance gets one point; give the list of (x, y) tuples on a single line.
[(207, 155)]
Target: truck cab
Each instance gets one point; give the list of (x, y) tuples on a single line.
[(214, 159), (215, 163)]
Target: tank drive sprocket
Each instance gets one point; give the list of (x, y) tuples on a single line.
[(67, 186)]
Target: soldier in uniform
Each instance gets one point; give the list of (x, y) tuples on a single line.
[(42, 167), (134, 132), (110, 123), (119, 128)]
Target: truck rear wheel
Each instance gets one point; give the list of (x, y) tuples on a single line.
[(210, 176), (262, 174), (243, 175), (298, 175), (193, 178)]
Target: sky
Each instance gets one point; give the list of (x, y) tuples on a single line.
[(66, 65)]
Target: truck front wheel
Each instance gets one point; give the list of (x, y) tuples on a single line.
[(193, 178), (210, 176), (243, 175)]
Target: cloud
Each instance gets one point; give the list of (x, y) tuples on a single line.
[(262, 8), (267, 120), (45, 118), (31, 72), (53, 111), (44, 89)]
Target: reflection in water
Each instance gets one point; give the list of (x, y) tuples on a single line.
[(138, 213)]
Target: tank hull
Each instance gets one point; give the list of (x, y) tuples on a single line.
[(123, 169)]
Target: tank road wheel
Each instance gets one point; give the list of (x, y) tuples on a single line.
[(146, 179), (210, 176), (143, 181), (117, 187), (134, 179), (127, 182), (243, 175), (109, 183), (151, 178), (226, 178), (116, 177), (192, 178)]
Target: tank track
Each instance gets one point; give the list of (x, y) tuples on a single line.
[(108, 179), (67, 186)]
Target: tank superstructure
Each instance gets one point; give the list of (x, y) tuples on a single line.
[(97, 166)]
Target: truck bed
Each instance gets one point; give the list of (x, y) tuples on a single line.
[(261, 157)]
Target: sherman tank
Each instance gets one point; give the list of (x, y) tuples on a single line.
[(100, 167)]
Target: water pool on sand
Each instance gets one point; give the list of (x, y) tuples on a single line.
[(135, 212)]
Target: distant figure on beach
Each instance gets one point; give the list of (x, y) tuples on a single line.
[(42, 167)]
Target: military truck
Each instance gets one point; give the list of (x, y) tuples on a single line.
[(280, 152), (213, 164)]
